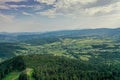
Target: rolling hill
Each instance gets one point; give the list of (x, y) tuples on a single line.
[(65, 43)]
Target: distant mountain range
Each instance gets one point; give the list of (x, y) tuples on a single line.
[(102, 32)]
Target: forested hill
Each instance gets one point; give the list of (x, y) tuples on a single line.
[(49, 67), (17, 37)]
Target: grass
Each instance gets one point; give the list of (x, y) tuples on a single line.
[(12, 76), (15, 75), (85, 57), (29, 72)]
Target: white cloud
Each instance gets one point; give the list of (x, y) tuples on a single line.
[(49, 2), (26, 13), (86, 1), (64, 7), (75, 7), (6, 6), (50, 13), (37, 7), (104, 9)]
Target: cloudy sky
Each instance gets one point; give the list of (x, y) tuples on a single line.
[(50, 15)]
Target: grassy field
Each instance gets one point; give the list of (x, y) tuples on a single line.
[(29, 72), (72, 48), (15, 75), (12, 76)]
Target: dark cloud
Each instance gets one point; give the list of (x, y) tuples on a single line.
[(100, 3), (17, 8)]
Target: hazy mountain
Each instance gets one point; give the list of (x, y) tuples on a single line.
[(102, 32)]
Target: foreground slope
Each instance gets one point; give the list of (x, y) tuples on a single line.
[(49, 67)]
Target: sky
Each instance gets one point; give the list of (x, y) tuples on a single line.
[(51, 15)]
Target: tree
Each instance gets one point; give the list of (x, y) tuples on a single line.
[(23, 76)]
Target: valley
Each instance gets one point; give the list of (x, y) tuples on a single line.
[(62, 55)]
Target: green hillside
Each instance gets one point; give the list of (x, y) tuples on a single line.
[(49, 67), (83, 49)]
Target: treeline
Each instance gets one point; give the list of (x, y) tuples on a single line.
[(43, 40)]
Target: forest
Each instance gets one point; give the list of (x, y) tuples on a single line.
[(49, 67)]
